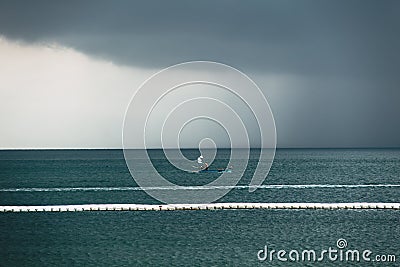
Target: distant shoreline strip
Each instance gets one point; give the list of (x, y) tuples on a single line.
[(94, 189), (211, 206)]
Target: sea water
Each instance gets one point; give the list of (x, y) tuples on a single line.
[(195, 238)]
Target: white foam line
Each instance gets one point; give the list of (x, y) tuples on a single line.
[(210, 206), (85, 189)]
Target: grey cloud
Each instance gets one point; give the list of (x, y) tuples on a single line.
[(346, 53), (278, 36)]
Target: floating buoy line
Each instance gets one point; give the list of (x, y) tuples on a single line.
[(209, 206)]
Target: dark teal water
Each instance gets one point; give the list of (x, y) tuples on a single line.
[(193, 238)]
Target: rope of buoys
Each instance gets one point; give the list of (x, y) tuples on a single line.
[(210, 206)]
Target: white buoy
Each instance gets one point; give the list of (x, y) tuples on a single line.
[(211, 206)]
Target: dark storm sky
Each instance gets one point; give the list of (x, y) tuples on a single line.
[(342, 57)]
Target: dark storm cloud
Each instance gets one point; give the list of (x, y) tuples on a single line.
[(278, 36), (346, 53)]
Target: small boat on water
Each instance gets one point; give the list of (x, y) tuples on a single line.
[(204, 167)]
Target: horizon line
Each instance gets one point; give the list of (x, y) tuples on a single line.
[(159, 148)]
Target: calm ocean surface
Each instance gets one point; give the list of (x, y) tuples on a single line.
[(194, 238)]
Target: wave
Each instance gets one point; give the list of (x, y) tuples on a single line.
[(96, 189)]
